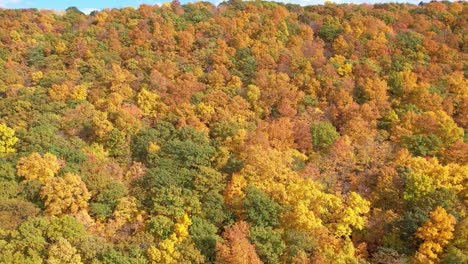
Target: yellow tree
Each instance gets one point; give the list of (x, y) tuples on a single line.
[(437, 123), (63, 252), (169, 251), (436, 234), (341, 46), (65, 195), (233, 193), (38, 167), (36, 77), (149, 102), (352, 215), (120, 80), (165, 252), (343, 68), (79, 92), (428, 175), (102, 126), (307, 207), (7, 139)]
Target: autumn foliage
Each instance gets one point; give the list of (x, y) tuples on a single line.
[(247, 132)]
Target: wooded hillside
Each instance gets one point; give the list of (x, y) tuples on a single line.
[(249, 132)]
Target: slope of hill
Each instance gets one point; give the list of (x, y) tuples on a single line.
[(249, 132)]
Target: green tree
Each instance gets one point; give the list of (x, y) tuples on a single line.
[(268, 243), (260, 209), (330, 29), (204, 235), (323, 135), (106, 201), (422, 145)]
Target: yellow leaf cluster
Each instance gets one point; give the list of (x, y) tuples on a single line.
[(7, 139), (64, 91), (436, 233), (101, 125), (181, 228), (79, 92), (166, 251), (60, 47), (36, 76), (63, 252), (343, 68), (65, 195), (205, 111), (15, 36), (153, 147), (120, 80), (148, 102), (252, 93), (35, 166), (308, 206), (429, 174)]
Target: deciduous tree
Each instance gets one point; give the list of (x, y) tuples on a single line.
[(436, 234), (35, 166), (65, 195)]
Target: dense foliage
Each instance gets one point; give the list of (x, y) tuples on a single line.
[(249, 132)]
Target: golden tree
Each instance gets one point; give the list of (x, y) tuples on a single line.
[(63, 252), (176, 248), (436, 233), (35, 166), (7, 139), (65, 195)]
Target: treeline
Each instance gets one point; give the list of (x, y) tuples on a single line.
[(248, 132)]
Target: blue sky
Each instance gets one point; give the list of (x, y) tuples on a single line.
[(89, 5)]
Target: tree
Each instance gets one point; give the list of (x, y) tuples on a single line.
[(149, 102), (237, 247), (268, 243), (352, 215), (160, 226), (204, 235), (7, 139), (101, 125), (323, 135), (188, 153), (330, 29), (260, 209), (35, 166), (67, 227), (175, 248), (68, 90), (436, 234), (65, 195), (428, 175), (63, 252), (422, 145), (106, 200), (119, 81)]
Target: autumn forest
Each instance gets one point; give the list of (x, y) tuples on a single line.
[(237, 133)]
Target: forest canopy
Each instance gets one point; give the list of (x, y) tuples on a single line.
[(248, 132)]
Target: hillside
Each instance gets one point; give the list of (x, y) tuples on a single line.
[(248, 132)]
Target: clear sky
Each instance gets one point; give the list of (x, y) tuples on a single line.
[(89, 5)]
